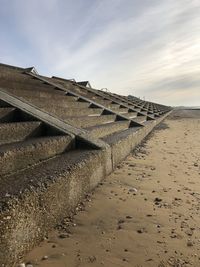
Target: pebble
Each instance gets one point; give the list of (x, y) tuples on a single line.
[(157, 199), (140, 231), (45, 257), (132, 190), (64, 236), (22, 265)]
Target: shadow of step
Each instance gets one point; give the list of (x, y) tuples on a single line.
[(102, 130)]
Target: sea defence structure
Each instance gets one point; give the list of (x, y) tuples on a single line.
[(58, 139)]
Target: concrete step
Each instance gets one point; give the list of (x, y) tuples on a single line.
[(47, 96), (20, 155), (95, 97), (65, 101), (151, 115), (6, 114), (64, 113), (130, 114), (98, 99), (28, 84), (140, 119), (25, 79), (102, 101), (18, 131), (65, 83), (108, 128), (112, 106), (87, 121), (38, 173), (120, 110), (137, 109), (116, 137), (54, 104), (37, 92), (145, 112), (92, 96)]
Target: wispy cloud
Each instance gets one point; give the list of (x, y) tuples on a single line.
[(149, 48)]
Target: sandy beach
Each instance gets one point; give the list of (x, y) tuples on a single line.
[(146, 213)]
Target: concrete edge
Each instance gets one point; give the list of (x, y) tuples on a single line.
[(122, 149)]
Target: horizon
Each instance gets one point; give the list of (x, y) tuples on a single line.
[(149, 49)]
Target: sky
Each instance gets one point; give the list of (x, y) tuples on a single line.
[(147, 48)]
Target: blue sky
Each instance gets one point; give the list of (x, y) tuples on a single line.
[(147, 48)]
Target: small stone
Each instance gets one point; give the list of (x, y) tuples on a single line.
[(174, 235), (22, 265), (129, 217), (132, 190), (45, 257), (195, 164), (177, 199), (140, 231), (64, 236), (157, 199)]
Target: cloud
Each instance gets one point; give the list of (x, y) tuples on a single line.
[(148, 48)]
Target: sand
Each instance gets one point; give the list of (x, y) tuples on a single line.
[(146, 213)]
